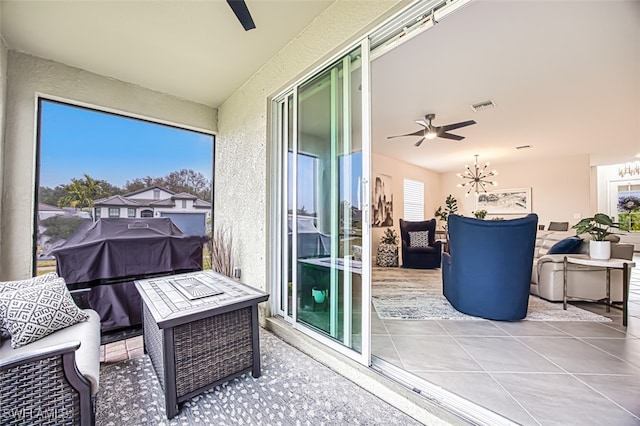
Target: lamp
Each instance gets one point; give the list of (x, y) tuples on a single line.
[(630, 169), (477, 178)]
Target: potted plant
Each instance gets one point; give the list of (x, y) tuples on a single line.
[(480, 214), (598, 227), (388, 249), (451, 208)]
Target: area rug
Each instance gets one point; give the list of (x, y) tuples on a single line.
[(414, 294), (293, 389), (437, 307)]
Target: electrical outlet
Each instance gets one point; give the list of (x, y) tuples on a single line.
[(577, 216)]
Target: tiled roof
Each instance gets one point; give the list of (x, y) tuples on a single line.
[(47, 207), (116, 200), (184, 196), (201, 204)]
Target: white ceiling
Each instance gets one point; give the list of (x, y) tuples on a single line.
[(565, 77), (563, 74), (193, 49)]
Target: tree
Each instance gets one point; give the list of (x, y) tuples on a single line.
[(51, 196), (82, 192), (184, 180), (61, 227)]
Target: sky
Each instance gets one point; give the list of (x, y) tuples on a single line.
[(75, 141)]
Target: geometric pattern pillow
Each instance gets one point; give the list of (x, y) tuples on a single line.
[(419, 239), (29, 282), (32, 313), (16, 285)]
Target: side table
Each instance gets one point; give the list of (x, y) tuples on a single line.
[(200, 330), (608, 264)]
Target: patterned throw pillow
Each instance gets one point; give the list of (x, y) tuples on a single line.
[(16, 285), (419, 239), (32, 313)]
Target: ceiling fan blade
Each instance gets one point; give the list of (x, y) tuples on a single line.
[(450, 136), (422, 123), (456, 125), (419, 142), (241, 10), (418, 133)]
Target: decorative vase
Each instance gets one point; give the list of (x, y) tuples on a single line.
[(600, 249), (387, 255)]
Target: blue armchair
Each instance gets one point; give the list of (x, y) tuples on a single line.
[(487, 271)]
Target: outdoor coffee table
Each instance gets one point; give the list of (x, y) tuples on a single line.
[(200, 330)]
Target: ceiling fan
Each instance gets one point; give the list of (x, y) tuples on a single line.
[(241, 10), (431, 132)]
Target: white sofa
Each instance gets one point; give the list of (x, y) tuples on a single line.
[(547, 279)]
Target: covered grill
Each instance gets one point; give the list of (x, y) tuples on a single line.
[(107, 257)]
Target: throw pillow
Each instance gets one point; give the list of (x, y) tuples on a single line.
[(569, 245), (16, 285), (29, 282), (419, 239), (32, 313)]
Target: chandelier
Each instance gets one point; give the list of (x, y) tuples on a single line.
[(477, 178), (630, 169)]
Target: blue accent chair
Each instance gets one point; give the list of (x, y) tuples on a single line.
[(487, 271), (420, 257)]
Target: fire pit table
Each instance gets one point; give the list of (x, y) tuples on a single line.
[(200, 330)]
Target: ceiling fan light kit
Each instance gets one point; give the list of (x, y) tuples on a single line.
[(477, 178), (431, 132)]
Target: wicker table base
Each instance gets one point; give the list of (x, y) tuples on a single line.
[(197, 344)]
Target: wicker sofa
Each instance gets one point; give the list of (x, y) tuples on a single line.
[(547, 274), (53, 380)]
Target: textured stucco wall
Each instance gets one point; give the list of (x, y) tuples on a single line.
[(242, 170), (26, 77)]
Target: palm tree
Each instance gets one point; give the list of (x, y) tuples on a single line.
[(81, 193)]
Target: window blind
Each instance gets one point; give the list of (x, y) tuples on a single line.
[(413, 200)]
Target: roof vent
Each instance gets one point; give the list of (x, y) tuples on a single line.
[(483, 105)]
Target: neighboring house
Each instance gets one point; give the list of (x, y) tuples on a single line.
[(187, 211), (45, 211)]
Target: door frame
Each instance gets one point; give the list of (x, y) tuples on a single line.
[(279, 221)]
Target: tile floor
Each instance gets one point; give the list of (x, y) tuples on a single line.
[(121, 350), (534, 373)]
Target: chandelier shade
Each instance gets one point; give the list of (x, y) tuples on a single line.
[(477, 179)]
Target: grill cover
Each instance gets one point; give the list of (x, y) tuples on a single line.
[(109, 255)]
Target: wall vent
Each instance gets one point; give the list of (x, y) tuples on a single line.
[(483, 105)]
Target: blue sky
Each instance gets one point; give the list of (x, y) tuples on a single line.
[(75, 141)]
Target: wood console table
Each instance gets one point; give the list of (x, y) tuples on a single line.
[(198, 343), (608, 264)]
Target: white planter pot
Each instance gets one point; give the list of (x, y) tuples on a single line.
[(600, 249)]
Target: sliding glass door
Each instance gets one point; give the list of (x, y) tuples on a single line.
[(324, 266)]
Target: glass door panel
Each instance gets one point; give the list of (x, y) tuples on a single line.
[(328, 204)]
